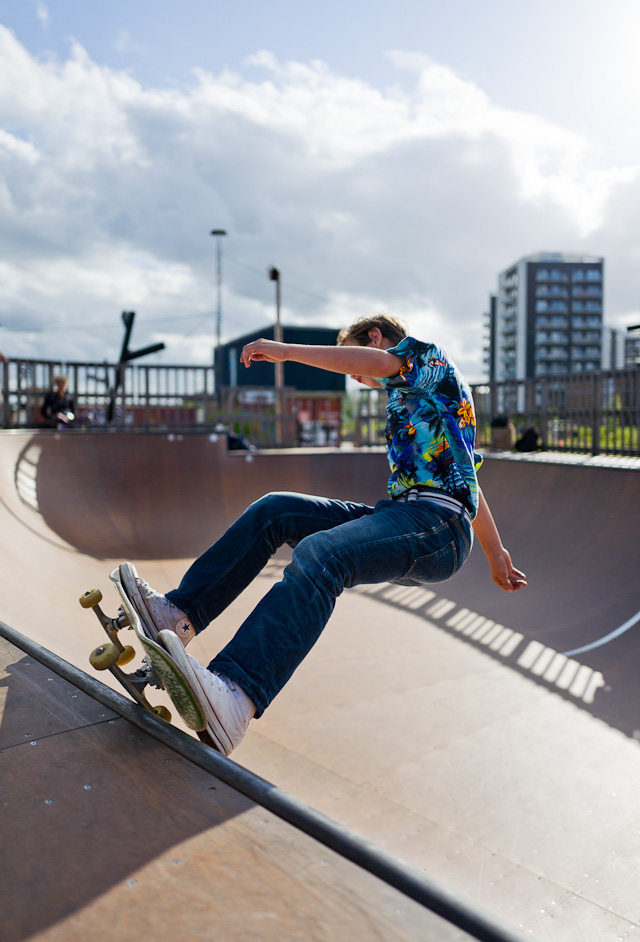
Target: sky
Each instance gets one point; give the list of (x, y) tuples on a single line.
[(385, 157)]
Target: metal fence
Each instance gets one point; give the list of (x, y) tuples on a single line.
[(108, 394), (590, 413), (180, 398)]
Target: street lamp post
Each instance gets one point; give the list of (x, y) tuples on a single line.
[(274, 275), (218, 233)]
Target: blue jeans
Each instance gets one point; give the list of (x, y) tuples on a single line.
[(337, 544)]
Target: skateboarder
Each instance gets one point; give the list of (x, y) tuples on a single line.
[(421, 533)]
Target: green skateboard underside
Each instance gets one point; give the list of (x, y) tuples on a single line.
[(174, 683), (166, 669)]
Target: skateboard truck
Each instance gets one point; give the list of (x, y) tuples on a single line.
[(114, 655)]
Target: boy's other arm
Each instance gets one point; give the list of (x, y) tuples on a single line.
[(359, 361), (503, 572)]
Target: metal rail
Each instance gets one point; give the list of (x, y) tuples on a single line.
[(589, 413), (476, 922), (146, 397)]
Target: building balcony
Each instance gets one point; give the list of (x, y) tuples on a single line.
[(550, 369), (586, 291), (552, 321), (586, 336), (553, 355), (553, 337), (586, 321)]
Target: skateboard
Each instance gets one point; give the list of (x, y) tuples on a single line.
[(163, 672)]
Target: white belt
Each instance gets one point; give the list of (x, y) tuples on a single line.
[(437, 497)]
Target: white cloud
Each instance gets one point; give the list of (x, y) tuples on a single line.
[(126, 44), (42, 12), (370, 199)]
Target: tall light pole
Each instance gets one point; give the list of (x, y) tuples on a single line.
[(274, 275), (218, 233)]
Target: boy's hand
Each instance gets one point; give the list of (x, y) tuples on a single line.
[(504, 573), (269, 350)]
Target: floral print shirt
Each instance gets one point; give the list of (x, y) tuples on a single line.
[(431, 425)]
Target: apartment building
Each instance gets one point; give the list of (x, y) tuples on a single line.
[(547, 317)]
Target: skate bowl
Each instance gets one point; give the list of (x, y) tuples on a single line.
[(490, 739)]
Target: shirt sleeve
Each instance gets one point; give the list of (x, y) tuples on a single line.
[(425, 365)]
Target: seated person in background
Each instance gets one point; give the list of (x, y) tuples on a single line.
[(58, 408)]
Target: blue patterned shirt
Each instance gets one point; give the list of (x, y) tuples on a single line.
[(431, 425)]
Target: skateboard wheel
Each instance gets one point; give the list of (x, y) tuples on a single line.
[(104, 657), (163, 713), (127, 655), (90, 598)]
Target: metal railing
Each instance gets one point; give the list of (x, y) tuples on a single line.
[(589, 413), (156, 398), (105, 394)]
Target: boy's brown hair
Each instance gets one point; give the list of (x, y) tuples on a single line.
[(390, 327)]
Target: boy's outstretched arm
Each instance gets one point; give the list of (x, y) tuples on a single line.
[(364, 361), (503, 572)]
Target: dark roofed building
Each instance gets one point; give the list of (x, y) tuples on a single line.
[(312, 398), (230, 372)]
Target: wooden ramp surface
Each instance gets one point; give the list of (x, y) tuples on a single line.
[(451, 725), (109, 834)]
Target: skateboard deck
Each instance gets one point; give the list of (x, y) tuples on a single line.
[(114, 655)]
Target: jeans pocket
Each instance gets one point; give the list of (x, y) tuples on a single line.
[(432, 567)]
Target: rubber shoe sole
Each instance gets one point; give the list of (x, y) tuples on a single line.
[(129, 579)]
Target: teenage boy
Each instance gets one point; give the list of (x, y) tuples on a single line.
[(421, 533)]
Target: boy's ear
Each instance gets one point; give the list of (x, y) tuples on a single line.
[(375, 334)]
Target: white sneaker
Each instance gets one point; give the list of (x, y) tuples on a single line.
[(227, 708), (155, 611)]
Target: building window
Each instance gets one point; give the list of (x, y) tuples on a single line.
[(594, 274), (542, 274), (577, 274)]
